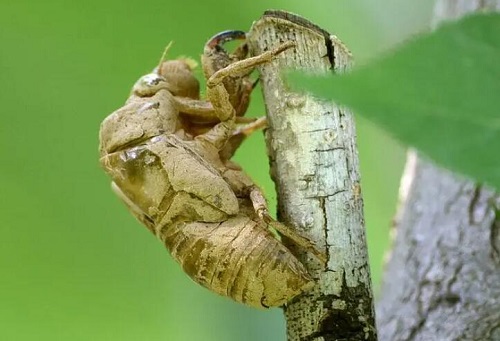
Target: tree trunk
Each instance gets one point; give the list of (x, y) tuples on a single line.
[(442, 281), (314, 163)]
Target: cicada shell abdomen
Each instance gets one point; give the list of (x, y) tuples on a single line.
[(238, 258)]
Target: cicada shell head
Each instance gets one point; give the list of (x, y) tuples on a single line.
[(180, 78)]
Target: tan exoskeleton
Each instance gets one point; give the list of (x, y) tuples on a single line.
[(177, 181)]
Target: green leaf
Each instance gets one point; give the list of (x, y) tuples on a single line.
[(439, 93)]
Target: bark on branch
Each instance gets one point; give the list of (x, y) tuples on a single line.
[(443, 279), (314, 163)]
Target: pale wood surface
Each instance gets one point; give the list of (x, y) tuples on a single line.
[(314, 163)]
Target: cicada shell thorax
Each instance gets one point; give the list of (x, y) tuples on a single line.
[(140, 119), (238, 258)]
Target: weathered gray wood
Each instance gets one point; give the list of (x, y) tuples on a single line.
[(314, 163), (442, 281), (454, 9)]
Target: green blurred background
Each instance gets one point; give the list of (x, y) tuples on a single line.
[(74, 263)]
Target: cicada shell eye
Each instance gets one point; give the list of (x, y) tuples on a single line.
[(180, 78), (149, 84)]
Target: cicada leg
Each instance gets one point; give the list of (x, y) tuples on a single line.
[(245, 188), (219, 97), (250, 128), (260, 206), (239, 135), (215, 57)]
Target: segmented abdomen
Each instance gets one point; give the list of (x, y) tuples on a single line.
[(238, 258)]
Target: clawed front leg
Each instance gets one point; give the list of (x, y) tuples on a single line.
[(245, 65), (219, 97)]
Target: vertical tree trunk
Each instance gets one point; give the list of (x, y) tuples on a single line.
[(314, 163), (442, 281)]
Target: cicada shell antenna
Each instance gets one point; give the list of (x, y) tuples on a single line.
[(164, 56)]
